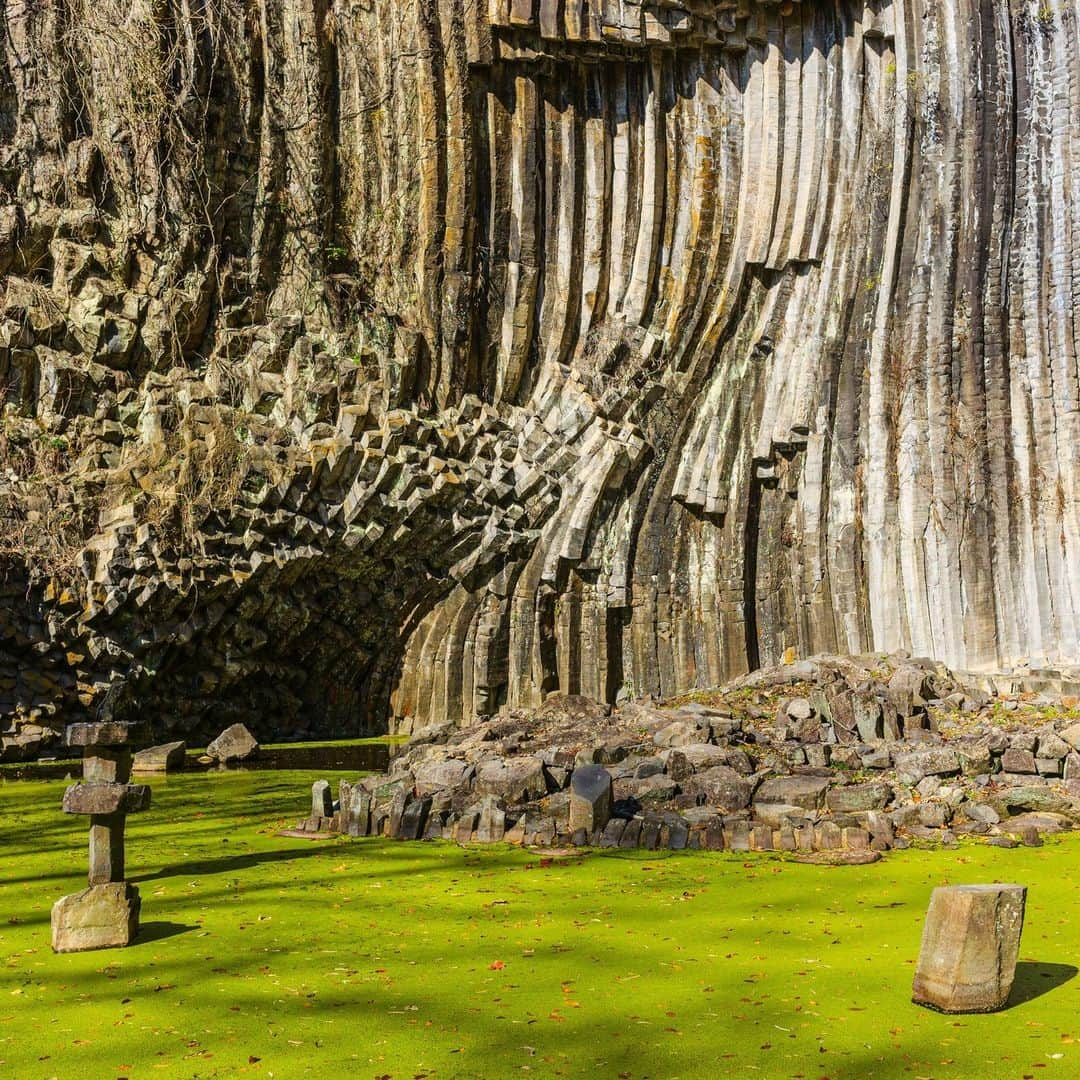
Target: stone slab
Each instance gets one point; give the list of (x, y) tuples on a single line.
[(168, 757), (103, 798), (106, 733), (100, 917), (838, 858)]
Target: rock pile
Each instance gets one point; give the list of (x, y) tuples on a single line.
[(855, 755), (580, 345)]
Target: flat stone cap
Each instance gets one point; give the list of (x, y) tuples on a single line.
[(106, 733), (980, 888), (104, 798)]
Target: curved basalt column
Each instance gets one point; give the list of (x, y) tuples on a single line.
[(578, 345), (810, 264)]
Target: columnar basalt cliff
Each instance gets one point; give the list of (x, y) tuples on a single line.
[(373, 363)]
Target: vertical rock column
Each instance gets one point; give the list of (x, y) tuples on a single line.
[(971, 940), (106, 914)]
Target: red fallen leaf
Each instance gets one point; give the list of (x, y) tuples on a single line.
[(496, 965)]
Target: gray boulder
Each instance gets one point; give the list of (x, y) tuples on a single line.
[(723, 788), (702, 756), (1018, 761), (933, 761), (235, 743), (516, 780), (853, 798), (805, 791), (439, 773)]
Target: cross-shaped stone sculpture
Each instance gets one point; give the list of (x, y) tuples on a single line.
[(105, 915)]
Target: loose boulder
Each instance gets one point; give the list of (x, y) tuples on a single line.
[(805, 791), (235, 743), (169, 757), (516, 780)]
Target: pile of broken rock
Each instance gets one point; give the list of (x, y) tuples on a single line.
[(846, 757)]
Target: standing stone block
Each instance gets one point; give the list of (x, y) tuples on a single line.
[(828, 837), (107, 764), (461, 831), (714, 835), (100, 917), (650, 835), (392, 825), (357, 816), (738, 835), (970, 943), (322, 800), (591, 798), (106, 849), (613, 832), (414, 819), (492, 824)]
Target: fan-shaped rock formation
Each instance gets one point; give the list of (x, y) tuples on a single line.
[(387, 362)]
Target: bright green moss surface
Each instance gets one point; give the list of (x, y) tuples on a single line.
[(270, 957)]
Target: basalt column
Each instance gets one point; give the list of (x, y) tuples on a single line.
[(393, 362), (106, 914)]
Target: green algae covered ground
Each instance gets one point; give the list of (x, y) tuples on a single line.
[(271, 957)]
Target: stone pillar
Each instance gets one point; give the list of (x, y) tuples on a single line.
[(105, 915), (591, 799), (970, 943)]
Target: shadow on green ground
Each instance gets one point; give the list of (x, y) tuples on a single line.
[(265, 956)]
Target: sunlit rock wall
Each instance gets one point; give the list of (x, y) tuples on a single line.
[(567, 345)]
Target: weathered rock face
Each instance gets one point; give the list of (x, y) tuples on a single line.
[(400, 361), (971, 940)]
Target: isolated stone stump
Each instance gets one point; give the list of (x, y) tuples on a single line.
[(970, 943), (105, 915), (591, 798)]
